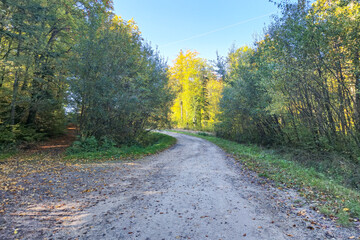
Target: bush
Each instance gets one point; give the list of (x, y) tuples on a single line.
[(16, 134), (203, 134), (146, 139), (90, 144), (160, 142)]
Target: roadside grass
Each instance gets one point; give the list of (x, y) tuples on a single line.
[(6, 155), (330, 196), (160, 143)]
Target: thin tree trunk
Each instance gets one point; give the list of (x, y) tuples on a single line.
[(357, 92), (15, 85), (14, 97)]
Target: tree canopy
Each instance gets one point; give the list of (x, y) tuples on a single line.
[(77, 56), (299, 85)]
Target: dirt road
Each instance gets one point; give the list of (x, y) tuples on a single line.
[(191, 191)]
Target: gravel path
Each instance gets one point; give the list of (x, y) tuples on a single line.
[(190, 191)]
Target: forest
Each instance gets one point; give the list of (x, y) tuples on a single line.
[(76, 61), (299, 85)]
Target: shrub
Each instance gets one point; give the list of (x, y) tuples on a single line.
[(90, 144)]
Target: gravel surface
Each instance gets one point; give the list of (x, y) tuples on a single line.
[(191, 191)]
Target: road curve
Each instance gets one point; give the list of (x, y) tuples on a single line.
[(190, 191)]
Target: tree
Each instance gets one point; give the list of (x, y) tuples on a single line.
[(53, 52), (197, 92), (299, 86), (36, 37), (119, 82)]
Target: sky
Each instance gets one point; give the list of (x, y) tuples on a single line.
[(198, 25)]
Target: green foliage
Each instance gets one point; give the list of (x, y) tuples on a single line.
[(12, 135), (203, 134), (36, 38), (151, 144), (77, 55), (91, 144), (299, 86), (119, 84)]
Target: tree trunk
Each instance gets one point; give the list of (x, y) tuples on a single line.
[(33, 102), (357, 92), (16, 84), (14, 97)]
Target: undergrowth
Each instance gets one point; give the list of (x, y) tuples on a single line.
[(331, 195), (91, 151)]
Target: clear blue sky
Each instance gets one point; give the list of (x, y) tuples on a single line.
[(204, 26)]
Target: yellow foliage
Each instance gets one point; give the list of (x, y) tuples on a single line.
[(197, 91)]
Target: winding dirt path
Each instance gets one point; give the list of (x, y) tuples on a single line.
[(190, 191)]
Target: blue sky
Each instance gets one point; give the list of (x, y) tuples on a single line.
[(204, 26)]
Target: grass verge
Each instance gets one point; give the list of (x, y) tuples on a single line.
[(161, 143), (4, 156), (331, 198)]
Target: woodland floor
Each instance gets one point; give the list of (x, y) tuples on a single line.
[(53, 146), (193, 190)]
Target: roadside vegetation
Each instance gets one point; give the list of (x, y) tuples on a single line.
[(90, 150), (78, 62)]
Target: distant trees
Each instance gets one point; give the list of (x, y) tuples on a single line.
[(197, 92), (52, 51), (300, 84)]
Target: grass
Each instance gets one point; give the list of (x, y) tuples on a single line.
[(330, 196), (6, 155), (160, 143)]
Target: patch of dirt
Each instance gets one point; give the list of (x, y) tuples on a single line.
[(53, 146)]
